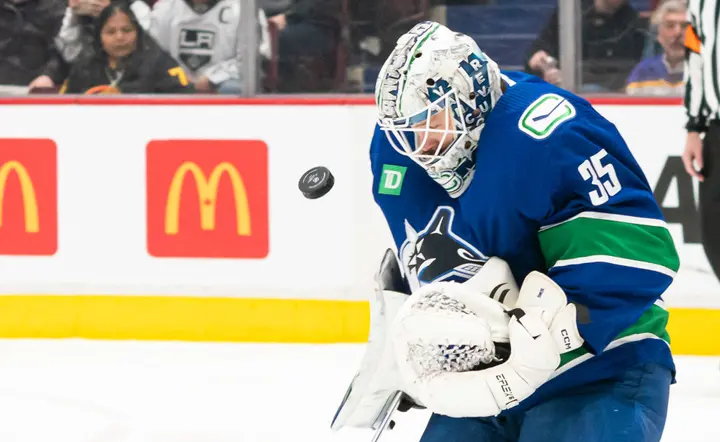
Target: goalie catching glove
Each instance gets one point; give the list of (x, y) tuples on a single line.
[(369, 395), (445, 338)]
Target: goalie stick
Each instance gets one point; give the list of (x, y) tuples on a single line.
[(386, 421)]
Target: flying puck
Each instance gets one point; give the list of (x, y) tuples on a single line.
[(316, 182)]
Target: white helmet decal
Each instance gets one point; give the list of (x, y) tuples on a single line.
[(388, 84), (436, 74)]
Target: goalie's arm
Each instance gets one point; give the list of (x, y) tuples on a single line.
[(605, 244), (615, 296)]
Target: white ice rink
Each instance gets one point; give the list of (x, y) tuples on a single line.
[(90, 391)]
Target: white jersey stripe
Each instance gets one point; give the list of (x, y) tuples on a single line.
[(615, 261)]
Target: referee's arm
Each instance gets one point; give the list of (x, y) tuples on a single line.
[(695, 104)]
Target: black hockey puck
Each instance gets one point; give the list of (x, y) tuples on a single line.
[(316, 182)]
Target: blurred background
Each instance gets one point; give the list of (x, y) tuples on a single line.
[(251, 47)]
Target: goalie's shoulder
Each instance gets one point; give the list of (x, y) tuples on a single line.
[(536, 111)]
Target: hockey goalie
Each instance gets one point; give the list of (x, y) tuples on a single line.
[(486, 178)]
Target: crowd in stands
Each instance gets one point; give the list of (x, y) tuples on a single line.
[(308, 46), (621, 49)]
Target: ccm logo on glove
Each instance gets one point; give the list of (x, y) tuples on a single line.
[(566, 339)]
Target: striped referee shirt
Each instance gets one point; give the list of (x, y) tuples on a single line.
[(702, 87)]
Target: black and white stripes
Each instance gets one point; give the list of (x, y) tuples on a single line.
[(702, 89)]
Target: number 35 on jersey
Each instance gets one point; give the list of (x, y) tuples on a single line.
[(602, 176)]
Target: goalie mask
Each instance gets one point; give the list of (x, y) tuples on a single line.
[(433, 96)]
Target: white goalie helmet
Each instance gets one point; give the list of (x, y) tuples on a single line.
[(433, 96)]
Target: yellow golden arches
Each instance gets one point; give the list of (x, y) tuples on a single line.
[(207, 190), (32, 219)]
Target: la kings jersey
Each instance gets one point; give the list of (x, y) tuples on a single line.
[(207, 43), (557, 190)]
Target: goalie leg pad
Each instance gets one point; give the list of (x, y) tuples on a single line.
[(378, 379), (371, 391)]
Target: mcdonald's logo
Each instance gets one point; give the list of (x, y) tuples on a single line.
[(207, 198), (28, 197), (207, 192)]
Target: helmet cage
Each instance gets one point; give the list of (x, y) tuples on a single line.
[(410, 135)]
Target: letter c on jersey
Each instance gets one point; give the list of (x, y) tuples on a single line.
[(221, 16)]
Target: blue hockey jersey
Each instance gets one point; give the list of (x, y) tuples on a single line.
[(557, 190)]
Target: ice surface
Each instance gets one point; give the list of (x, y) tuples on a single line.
[(99, 391)]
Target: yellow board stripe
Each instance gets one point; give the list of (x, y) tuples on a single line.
[(184, 319), (692, 331)]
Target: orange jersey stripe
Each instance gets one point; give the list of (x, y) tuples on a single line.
[(692, 41)]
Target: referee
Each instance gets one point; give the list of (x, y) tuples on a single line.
[(702, 103)]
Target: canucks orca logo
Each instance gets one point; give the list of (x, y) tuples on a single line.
[(437, 254)]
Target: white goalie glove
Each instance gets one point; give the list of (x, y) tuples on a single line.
[(445, 340), (368, 398)]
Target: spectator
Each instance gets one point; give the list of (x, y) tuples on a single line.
[(76, 36), (274, 7), (309, 30), (663, 74), (124, 59), (207, 39), (392, 20), (375, 27), (613, 38), (78, 24), (27, 30)]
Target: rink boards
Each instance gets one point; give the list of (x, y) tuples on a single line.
[(181, 220)]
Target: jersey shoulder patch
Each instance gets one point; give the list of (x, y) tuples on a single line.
[(545, 114)]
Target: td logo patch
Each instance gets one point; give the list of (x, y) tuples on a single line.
[(196, 47), (391, 179)]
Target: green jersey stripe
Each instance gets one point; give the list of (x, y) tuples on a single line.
[(651, 325), (584, 237), (611, 217)]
